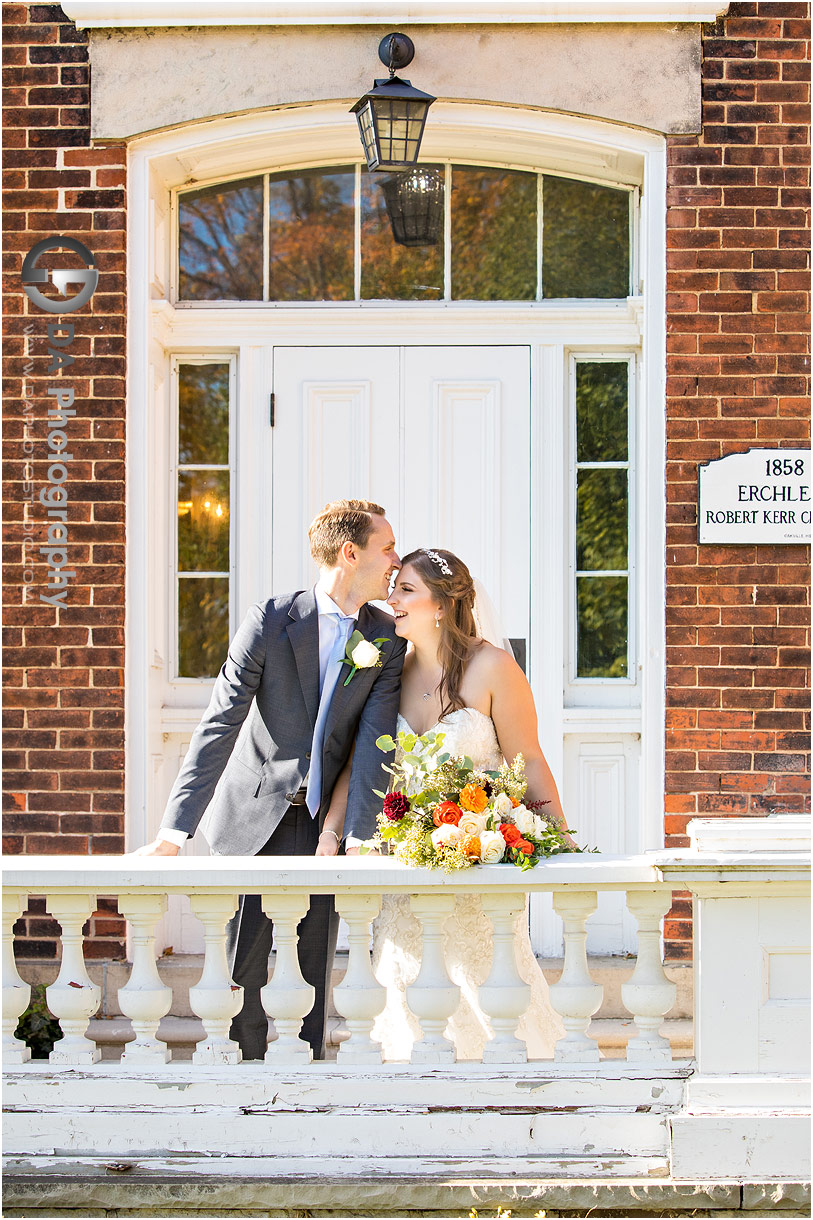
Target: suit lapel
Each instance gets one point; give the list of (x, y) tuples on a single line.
[(342, 694), (303, 633)]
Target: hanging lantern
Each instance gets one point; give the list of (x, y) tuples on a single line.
[(414, 201), (392, 115)]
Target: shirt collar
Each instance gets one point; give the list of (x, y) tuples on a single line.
[(326, 605)]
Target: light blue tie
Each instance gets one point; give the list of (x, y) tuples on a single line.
[(333, 670)]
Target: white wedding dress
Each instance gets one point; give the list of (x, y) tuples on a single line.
[(467, 940)]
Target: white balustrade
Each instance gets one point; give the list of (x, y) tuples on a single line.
[(504, 996), (359, 998), (432, 997), (287, 998), (215, 998), (649, 995), (16, 993), (73, 998), (575, 996), (144, 998)]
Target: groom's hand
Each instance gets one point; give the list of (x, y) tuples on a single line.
[(158, 847)]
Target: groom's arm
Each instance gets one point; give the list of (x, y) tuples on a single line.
[(378, 716), (215, 736)]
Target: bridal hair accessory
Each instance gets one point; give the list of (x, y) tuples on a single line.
[(439, 560)]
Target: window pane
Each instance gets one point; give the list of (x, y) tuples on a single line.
[(601, 411), (390, 271), (203, 521), (602, 627), (221, 243), (493, 235), (203, 625), (311, 215), (601, 520), (203, 414), (585, 239)]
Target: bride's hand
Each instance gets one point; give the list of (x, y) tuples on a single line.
[(328, 844)]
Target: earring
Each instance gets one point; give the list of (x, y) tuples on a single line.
[(437, 620)]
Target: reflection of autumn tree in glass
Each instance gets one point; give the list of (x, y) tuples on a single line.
[(203, 626), (221, 243), (389, 271), (311, 235), (203, 521), (585, 239), (493, 235), (203, 414)]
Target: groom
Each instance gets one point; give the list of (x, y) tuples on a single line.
[(284, 672)]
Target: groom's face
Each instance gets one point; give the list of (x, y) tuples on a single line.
[(377, 562)]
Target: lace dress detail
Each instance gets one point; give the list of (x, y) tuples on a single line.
[(467, 940)]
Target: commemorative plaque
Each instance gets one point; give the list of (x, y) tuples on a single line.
[(762, 495)]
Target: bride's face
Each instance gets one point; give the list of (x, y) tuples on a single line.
[(413, 605)]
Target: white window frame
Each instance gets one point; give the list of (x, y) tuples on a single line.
[(224, 149)]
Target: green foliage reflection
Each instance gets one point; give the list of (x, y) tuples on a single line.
[(601, 411), (494, 235), (585, 243), (203, 414), (203, 625), (602, 626), (601, 520)]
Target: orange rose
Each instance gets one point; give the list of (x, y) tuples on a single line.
[(471, 846), (510, 833), (515, 804), (473, 798), (447, 814), (525, 847)]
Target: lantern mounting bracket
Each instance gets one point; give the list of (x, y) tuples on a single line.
[(396, 51)]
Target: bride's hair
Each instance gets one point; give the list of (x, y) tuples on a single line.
[(449, 581)]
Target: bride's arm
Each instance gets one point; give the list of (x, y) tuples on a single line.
[(514, 715), (331, 835)]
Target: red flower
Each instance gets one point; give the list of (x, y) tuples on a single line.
[(525, 847), (510, 833), (447, 814), (396, 805)]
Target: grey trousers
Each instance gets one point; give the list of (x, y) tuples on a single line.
[(248, 945)]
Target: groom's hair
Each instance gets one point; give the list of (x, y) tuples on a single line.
[(339, 522)]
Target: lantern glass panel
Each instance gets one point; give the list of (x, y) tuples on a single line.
[(390, 271), (494, 235)]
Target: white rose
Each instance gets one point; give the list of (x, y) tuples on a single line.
[(445, 834), (365, 654), (471, 824), (502, 805), (540, 826), (524, 819), (492, 847)]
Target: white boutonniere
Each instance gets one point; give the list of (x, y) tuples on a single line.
[(362, 654)]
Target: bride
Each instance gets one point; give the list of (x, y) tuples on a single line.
[(456, 682)]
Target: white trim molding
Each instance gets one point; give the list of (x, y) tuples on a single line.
[(124, 14)]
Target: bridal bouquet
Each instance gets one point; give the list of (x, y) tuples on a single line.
[(443, 813)]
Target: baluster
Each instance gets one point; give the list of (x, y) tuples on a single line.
[(144, 998), (16, 993), (73, 998), (359, 997), (575, 997), (287, 998), (215, 998), (649, 995), (432, 997), (504, 996)]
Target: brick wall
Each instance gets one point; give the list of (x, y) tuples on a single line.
[(737, 376), (64, 697)]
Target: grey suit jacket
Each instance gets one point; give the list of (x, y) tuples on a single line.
[(271, 675)]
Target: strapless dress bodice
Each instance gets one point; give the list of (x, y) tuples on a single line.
[(466, 732)]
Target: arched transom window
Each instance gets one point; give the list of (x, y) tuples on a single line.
[(324, 234)]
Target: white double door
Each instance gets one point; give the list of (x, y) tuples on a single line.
[(439, 436)]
